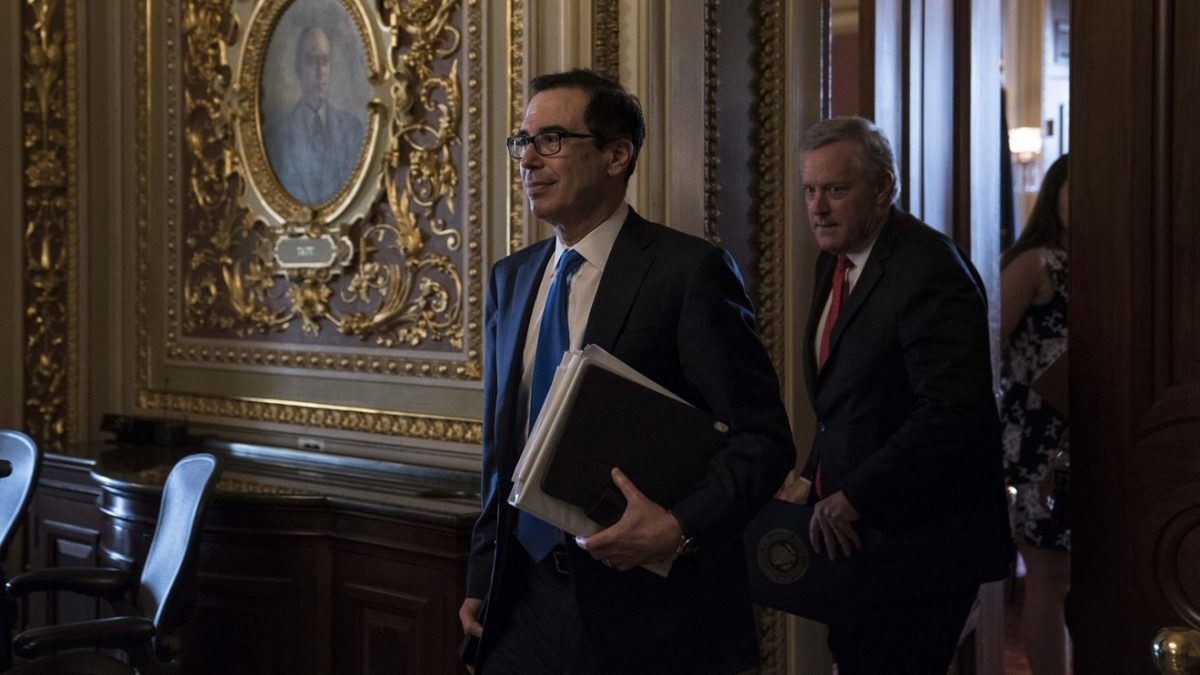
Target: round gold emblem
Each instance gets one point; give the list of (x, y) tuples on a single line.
[(782, 556)]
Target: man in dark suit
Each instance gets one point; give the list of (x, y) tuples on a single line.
[(898, 372), (673, 307)]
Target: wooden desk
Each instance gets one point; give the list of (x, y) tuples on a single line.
[(308, 564)]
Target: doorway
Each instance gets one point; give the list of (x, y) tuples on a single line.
[(929, 61)]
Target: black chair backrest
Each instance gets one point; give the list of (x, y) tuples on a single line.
[(16, 488), (168, 564)]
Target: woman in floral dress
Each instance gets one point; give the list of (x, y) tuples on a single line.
[(1033, 325)]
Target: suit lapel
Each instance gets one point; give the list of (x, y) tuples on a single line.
[(513, 325), (623, 274), (868, 279)]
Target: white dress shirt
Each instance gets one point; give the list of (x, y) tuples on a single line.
[(858, 260), (595, 248)]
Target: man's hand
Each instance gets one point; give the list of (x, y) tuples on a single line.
[(831, 525), (645, 533), (468, 615), (795, 491)]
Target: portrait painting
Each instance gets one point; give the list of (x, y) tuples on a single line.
[(314, 94)]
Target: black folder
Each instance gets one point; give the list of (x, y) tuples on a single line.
[(663, 444), (787, 574)]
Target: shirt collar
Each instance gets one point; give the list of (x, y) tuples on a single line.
[(597, 244), (860, 255)]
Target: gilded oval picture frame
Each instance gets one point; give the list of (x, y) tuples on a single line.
[(309, 73), (355, 242)]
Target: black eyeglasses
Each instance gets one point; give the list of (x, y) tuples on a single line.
[(546, 143)]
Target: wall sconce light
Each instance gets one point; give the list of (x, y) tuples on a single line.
[(1025, 143)]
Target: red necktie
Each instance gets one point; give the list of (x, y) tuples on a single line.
[(836, 296)]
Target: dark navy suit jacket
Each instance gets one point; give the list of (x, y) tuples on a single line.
[(672, 306), (907, 424)]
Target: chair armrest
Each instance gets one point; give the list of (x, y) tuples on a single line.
[(101, 582), (118, 632)]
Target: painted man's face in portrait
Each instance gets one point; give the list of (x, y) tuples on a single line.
[(312, 66)]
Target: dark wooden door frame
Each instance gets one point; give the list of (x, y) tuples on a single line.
[(1135, 328)]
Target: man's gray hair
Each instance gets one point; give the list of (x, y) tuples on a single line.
[(874, 157)]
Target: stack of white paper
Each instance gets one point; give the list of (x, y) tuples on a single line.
[(527, 492)]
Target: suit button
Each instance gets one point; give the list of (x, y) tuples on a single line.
[(821, 426)]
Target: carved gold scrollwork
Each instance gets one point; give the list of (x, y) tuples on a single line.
[(712, 157), (771, 120), (50, 235), (606, 37), (390, 264), (325, 417), (516, 110), (770, 150)]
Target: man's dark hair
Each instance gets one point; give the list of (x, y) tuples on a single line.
[(612, 112)]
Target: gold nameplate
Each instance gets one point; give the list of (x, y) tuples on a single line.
[(305, 252)]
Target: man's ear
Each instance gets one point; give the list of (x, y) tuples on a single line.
[(622, 154), (885, 189)]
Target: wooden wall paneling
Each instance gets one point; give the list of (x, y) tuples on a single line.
[(64, 544), (296, 584), (1133, 322), (260, 618), (398, 579), (261, 603), (1180, 171), (11, 254), (63, 530), (1111, 78), (975, 223), (384, 616), (884, 79), (685, 123), (257, 604), (975, 214), (907, 57), (936, 138)]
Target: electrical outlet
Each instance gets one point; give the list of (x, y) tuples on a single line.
[(310, 444)]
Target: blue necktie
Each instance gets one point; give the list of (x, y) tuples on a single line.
[(554, 338)]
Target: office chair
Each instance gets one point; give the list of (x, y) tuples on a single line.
[(142, 628), (20, 454)]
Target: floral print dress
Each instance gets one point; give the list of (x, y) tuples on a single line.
[(1034, 432)]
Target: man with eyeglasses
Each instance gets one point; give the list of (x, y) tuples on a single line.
[(672, 306)]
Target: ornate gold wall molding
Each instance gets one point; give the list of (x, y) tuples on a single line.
[(516, 112), (341, 418), (712, 159), (50, 220), (606, 37), (387, 244), (606, 50), (771, 121), (400, 288)]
